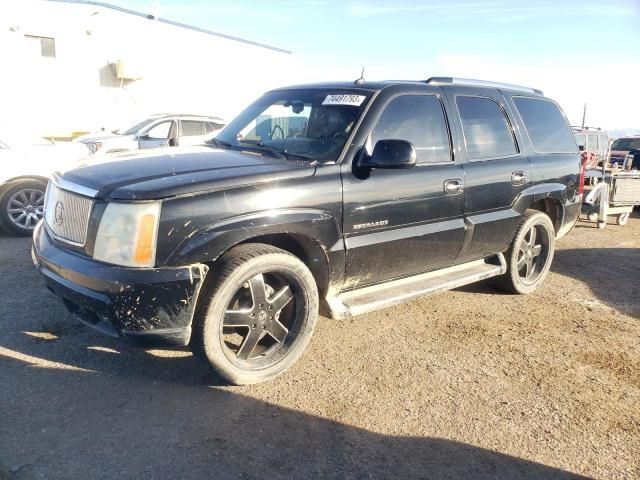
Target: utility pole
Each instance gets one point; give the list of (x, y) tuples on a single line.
[(584, 114)]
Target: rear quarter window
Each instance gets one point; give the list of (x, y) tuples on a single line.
[(546, 125)]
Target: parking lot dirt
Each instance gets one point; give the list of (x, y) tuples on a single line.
[(472, 383)]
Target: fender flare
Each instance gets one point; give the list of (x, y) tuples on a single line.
[(211, 241)]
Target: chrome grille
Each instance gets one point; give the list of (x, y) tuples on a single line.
[(67, 214)]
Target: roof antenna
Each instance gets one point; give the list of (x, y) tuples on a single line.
[(360, 81)]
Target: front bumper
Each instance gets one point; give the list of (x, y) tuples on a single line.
[(149, 307)]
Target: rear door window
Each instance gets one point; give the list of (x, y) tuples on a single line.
[(592, 142), (192, 128), (420, 120), (486, 128), (546, 126)]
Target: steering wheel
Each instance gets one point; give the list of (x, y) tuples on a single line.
[(273, 132), (338, 136)]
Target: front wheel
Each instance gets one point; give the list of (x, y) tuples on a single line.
[(257, 315), (22, 206), (530, 255)]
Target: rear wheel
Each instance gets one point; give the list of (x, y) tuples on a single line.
[(22, 206), (530, 255), (258, 314)]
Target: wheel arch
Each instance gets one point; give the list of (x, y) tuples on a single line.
[(553, 208), (547, 198), (304, 247), (21, 178), (310, 235)]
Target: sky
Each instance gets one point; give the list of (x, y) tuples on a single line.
[(577, 52)]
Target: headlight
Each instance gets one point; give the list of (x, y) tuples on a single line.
[(94, 146), (127, 234)]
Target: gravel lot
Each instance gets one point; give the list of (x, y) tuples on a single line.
[(472, 383)]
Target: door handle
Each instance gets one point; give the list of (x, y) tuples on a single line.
[(453, 187), (518, 178)]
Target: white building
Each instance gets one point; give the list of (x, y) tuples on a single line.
[(72, 66)]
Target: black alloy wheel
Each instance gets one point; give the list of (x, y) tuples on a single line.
[(256, 313), (530, 255), (259, 318)]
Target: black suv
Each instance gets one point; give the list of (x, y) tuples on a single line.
[(343, 196)]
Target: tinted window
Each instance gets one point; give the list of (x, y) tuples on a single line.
[(487, 131), (546, 125), (420, 120), (192, 128)]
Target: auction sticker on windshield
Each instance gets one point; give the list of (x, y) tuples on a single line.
[(354, 100)]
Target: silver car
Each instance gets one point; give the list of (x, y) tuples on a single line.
[(163, 130)]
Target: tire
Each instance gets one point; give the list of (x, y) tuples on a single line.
[(268, 332), (22, 206), (529, 256), (623, 218)]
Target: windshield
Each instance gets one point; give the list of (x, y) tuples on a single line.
[(626, 144), (133, 127), (311, 124)]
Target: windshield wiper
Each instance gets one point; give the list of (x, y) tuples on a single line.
[(262, 147), (219, 143)]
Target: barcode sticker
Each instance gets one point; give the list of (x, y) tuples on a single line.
[(353, 100)]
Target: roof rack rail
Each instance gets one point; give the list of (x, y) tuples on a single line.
[(580, 128), (480, 83)]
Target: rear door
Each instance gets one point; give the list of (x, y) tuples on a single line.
[(496, 170), (402, 222)]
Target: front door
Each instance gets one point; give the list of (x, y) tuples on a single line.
[(159, 135), (403, 222)]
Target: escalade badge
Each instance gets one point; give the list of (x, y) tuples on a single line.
[(379, 223), (59, 213)]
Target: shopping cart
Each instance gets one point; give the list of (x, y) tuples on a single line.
[(617, 193)]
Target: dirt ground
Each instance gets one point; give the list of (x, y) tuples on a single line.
[(472, 383)]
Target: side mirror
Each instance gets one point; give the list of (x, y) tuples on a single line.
[(390, 154)]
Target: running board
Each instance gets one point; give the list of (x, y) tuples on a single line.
[(375, 297)]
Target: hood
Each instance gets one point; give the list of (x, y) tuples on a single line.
[(70, 150), (174, 171)]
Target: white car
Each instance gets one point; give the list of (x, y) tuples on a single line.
[(162, 130), (26, 162)]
